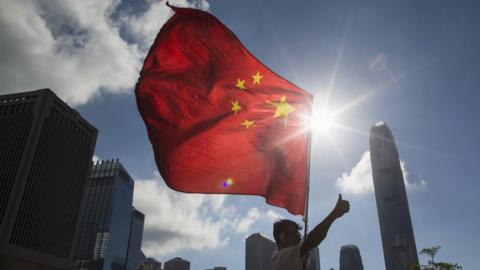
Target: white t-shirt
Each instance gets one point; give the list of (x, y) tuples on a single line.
[(288, 259)]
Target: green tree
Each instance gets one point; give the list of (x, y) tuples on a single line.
[(432, 265)]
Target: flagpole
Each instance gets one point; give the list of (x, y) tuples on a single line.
[(307, 184), (307, 189)]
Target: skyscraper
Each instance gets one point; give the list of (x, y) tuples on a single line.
[(258, 252), (177, 264), (314, 256), (396, 228), (46, 149), (107, 220), (350, 258), (135, 240), (151, 264)]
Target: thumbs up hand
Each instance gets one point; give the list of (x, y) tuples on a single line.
[(341, 207)]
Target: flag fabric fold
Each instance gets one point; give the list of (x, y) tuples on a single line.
[(218, 119)]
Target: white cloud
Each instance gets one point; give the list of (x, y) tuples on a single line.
[(360, 181), (273, 216), (68, 46), (179, 221), (243, 225), (144, 27), (74, 47), (409, 184), (176, 221), (95, 159)]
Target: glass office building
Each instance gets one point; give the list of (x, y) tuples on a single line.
[(398, 239), (134, 257), (350, 258), (314, 257), (107, 219)]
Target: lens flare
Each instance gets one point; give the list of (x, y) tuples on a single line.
[(228, 182)]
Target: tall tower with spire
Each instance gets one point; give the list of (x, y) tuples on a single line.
[(396, 228)]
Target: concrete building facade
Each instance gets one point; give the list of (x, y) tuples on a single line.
[(258, 252), (46, 149), (177, 264), (150, 264)]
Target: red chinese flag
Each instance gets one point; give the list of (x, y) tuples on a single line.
[(218, 119)]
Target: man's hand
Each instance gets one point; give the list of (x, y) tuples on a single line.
[(341, 207), (316, 236)]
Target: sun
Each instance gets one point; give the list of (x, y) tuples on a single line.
[(322, 122)]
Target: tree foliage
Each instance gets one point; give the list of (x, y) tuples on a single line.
[(432, 264)]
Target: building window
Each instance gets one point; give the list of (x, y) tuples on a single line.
[(101, 245)]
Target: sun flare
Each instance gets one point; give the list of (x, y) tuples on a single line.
[(322, 122)]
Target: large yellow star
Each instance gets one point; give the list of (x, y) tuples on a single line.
[(236, 106), (248, 123), (282, 108), (240, 84), (257, 77)]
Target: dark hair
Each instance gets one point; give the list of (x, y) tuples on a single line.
[(281, 226)]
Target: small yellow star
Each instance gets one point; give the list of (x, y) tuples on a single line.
[(257, 77), (236, 106), (247, 124), (282, 108), (240, 84)]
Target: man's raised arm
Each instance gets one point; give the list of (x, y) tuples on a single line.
[(316, 236)]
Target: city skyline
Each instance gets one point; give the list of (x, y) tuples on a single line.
[(411, 64)]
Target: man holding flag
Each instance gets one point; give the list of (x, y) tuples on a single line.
[(291, 250)]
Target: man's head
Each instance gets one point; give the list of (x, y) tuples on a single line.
[(286, 233)]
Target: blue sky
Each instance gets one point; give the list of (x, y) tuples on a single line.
[(427, 91)]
